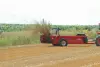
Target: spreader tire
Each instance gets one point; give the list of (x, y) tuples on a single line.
[(97, 41), (63, 42)]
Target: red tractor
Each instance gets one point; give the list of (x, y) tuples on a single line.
[(97, 41)]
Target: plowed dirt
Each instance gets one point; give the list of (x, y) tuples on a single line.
[(46, 55)]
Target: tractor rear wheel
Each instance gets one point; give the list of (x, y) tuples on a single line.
[(97, 41), (63, 42)]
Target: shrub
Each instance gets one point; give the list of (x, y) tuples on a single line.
[(42, 27)]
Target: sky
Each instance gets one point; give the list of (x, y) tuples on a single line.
[(59, 12)]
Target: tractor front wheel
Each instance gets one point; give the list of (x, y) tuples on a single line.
[(97, 41)]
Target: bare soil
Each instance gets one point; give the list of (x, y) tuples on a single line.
[(46, 55)]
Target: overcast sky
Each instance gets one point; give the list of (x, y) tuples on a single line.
[(64, 12)]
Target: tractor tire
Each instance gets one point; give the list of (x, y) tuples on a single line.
[(97, 42), (63, 42)]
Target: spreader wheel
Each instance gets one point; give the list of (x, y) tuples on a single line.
[(98, 41), (63, 42)]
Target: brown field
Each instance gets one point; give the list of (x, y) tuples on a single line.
[(46, 55)]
